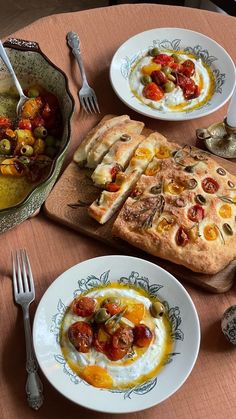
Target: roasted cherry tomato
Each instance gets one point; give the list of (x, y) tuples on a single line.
[(84, 306), (80, 335), (177, 67), (210, 185), (187, 85), (101, 340), (46, 113), (197, 91), (142, 335), (5, 122), (25, 124), (164, 60), (112, 308), (123, 338), (153, 92), (188, 68), (38, 121), (196, 213), (112, 187), (159, 77), (115, 169), (114, 354), (182, 237)]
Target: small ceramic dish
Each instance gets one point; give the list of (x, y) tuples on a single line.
[(33, 67), (214, 74), (101, 272)]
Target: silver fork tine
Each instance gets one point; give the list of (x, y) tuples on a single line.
[(86, 99), (30, 275), (19, 276), (92, 103), (15, 287), (84, 105), (25, 276), (96, 103)]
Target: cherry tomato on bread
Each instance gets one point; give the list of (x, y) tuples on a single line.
[(196, 213), (182, 237), (210, 185)]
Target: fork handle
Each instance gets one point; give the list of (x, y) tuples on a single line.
[(34, 386), (74, 42)]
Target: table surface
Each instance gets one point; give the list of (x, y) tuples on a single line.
[(210, 391)]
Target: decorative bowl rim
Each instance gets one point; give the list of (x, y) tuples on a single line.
[(46, 328)]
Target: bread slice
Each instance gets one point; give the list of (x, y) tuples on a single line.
[(80, 155), (109, 137), (116, 159)]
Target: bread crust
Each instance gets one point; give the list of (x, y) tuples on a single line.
[(199, 254)]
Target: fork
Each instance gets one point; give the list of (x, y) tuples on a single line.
[(24, 294), (7, 63), (86, 94)]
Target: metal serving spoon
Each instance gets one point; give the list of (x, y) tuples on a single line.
[(7, 63)]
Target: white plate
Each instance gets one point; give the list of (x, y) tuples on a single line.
[(103, 270), (173, 39)]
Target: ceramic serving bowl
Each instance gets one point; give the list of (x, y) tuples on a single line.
[(99, 273), (206, 52), (31, 67)]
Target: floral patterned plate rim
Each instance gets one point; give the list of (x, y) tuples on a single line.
[(102, 271), (173, 39)]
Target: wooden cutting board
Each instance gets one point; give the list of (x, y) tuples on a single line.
[(75, 186)]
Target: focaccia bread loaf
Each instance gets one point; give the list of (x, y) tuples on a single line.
[(182, 209)]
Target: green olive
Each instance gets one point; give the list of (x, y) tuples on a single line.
[(167, 70), (146, 79), (176, 58), (24, 159), (154, 52), (27, 150), (111, 300), (171, 77), (33, 92), (50, 141), (101, 316), (51, 151), (169, 86), (157, 309), (40, 132), (5, 146)]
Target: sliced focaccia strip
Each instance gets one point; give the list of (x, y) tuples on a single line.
[(110, 200), (80, 155), (185, 216), (116, 159), (105, 141)]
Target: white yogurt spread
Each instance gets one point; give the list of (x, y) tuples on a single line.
[(175, 101), (122, 373)]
